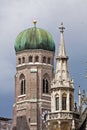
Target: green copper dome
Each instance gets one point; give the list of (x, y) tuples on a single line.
[(34, 38)]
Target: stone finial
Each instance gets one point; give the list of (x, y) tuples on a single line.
[(61, 28), (79, 91)]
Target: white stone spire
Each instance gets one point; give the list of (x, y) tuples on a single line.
[(62, 51), (62, 83), (62, 91), (62, 72)]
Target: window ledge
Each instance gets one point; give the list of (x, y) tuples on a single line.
[(37, 63), (22, 96), (33, 123), (30, 63), (47, 95)]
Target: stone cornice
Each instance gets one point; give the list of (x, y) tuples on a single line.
[(62, 88)]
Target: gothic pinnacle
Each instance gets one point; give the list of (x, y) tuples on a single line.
[(62, 50)]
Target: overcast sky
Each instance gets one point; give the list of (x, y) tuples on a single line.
[(17, 15)]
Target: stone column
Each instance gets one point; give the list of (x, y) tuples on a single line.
[(86, 125), (59, 125), (73, 125), (68, 101)]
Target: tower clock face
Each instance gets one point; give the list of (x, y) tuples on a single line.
[(44, 116)]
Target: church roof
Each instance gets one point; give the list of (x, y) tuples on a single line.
[(34, 38)]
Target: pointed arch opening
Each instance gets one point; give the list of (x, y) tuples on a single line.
[(64, 98), (49, 60), (23, 59), (44, 59), (30, 58), (36, 58), (57, 102), (22, 85), (19, 60), (45, 88)]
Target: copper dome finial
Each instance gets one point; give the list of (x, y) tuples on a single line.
[(34, 21)]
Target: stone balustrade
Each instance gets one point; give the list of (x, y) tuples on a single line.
[(59, 115)]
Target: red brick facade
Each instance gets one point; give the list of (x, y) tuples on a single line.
[(35, 97)]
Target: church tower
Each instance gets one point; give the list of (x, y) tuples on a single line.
[(62, 112), (35, 49)]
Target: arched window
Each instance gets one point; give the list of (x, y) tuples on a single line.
[(37, 59), (23, 60), (44, 59), (49, 61), (19, 60), (22, 84), (45, 86), (57, 102), (30, 58), (64, 102), (70, 102)]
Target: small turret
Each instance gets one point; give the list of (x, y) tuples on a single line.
[(79, 99)]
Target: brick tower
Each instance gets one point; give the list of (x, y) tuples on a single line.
[(34, 71)]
